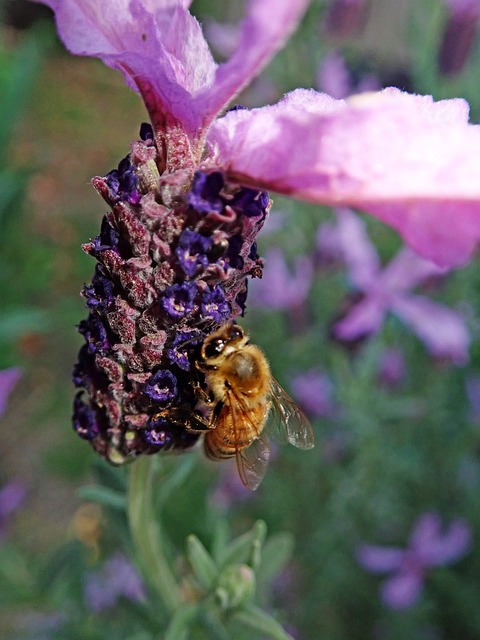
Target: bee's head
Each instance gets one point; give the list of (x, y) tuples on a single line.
[(222, 342)]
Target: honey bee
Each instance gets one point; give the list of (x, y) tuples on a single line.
[(242, 395)]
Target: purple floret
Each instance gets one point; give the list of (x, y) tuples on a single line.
[(85, 419), (123, 182), (205, 194), (191, 252), (215, 306), (178, 299), (94, 333), (162, 387)]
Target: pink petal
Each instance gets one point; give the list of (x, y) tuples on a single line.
[(411, 162), (161, 51), (443, 330), (266, 28), (158, 46)]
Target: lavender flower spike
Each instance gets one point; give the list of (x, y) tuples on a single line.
[(186, 204), (428, 548)]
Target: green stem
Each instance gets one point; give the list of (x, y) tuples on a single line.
[(147, 535)]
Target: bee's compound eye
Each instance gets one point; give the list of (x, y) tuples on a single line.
[(214, 348), (236, 332)]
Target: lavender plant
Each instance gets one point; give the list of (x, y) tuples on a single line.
[(174, 254)]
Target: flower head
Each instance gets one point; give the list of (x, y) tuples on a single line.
[(115, 579), (280, 287), (428, 548), (313, 390), (443, 330), (186, 204)]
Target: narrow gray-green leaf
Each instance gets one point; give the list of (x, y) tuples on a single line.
[(242, 548), (262, 622), (104, 496), (201, 562)]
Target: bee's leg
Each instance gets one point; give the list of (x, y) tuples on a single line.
[(197, 423)]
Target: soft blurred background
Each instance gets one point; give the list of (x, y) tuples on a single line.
[(380, 348)]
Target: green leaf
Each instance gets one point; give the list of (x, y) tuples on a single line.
[(181, 622), (245, 548), (276, 552), (201, 562), (104, 496), (257, 619), (16, 580), (174, 475), (17, 72)]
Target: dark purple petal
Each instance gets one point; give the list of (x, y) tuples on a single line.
[(179, 351), (215, 306), (162, 387), (85, 419), (205, 194), (108, 238), (146, 131), (99, 294), (95, 333), (178, 299), (192, 252), (123, 182), (160, 433), (251, 202)]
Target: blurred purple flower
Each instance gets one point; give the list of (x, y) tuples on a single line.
[(116, 578), (8, 380), (473, 395), (280, 287), (12, 496), (443, 330), (334, 78), (229, 490), (312, 389), (392, 368), (459, 35), (428, 547), (346, 18)]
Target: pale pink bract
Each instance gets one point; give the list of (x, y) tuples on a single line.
[(406, 159)]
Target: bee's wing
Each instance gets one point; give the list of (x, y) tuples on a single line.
[(291, 425), (252, 461)]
